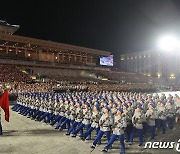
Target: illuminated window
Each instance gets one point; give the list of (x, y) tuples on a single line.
[(172, 76), (122, 58)]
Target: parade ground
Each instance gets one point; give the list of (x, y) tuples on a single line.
[(90, 77), (26, 136)]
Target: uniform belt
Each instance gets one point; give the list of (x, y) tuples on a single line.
[(105, 126)]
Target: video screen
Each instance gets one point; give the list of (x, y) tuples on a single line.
[(106, 61)]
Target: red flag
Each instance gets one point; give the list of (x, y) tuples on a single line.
[(4, 104)]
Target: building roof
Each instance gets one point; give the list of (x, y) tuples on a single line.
[(8, 28), (37, 44), (4, 23)]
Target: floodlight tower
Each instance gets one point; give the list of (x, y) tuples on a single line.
[(168, 46), (168, 43)]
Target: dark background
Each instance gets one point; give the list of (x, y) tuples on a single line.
[(119, 26)]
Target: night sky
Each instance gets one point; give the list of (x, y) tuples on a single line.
[(118, 26)]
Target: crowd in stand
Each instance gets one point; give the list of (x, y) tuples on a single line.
[(115, 114), (125, 76), (48, 87), (72, 80), (124, 87), (12, 76), (9, 73)]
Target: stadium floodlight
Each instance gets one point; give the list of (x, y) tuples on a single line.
[(168, 43)]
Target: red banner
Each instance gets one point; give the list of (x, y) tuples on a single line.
[(4, 104)]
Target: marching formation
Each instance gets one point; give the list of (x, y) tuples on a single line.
[(115, 115)]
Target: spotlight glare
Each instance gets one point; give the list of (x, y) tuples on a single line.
[(168, 43)]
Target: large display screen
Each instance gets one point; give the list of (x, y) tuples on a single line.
[(106, 61)]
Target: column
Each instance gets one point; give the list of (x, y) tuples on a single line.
[(16, 50), (7, 49)]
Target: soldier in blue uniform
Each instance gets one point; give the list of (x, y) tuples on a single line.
[(157, 120), (127, 113), (26, 105), (137, 121), (151, 116), (170, 114), (65, 113), (162, 114), (78, 119), (57, 116), (118, 131), (105, 124), (51, 109), (86, 121), (143, 104), (71, 117), (95, 122), (42, 110), (36, 108), (61, 110), (177, 107), (47, 111), (30, 107)]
